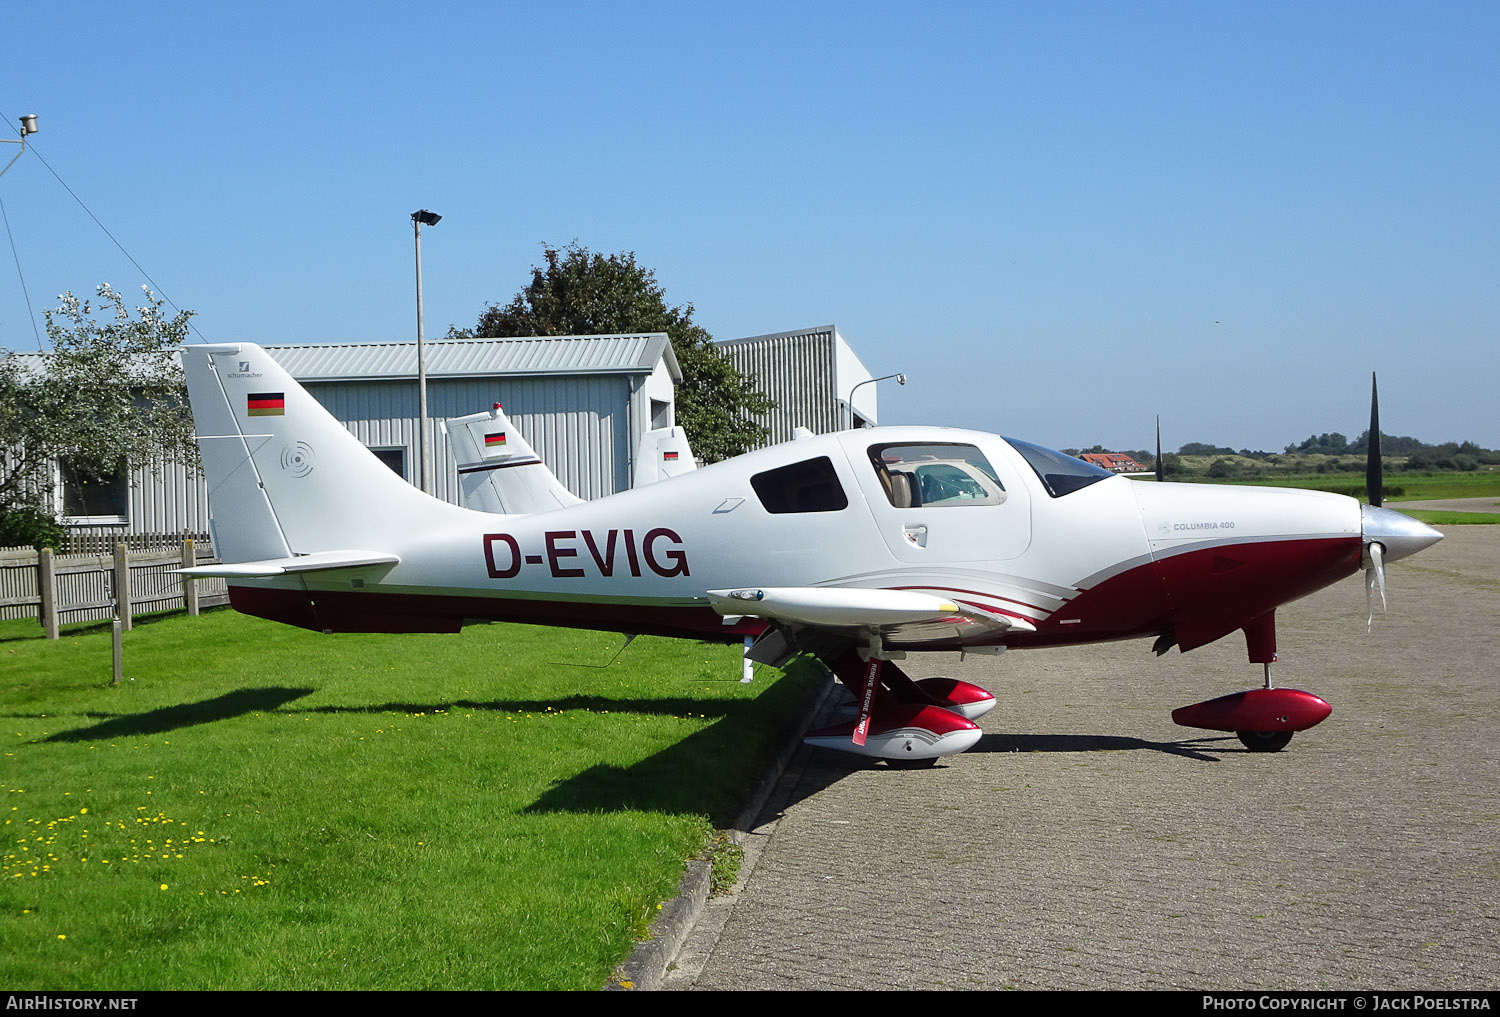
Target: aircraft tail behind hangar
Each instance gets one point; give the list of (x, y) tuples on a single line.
[(285, 478)]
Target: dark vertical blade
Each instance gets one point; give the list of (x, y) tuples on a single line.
[(1374, 486), (1160, 476)]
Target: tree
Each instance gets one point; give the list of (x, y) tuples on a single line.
[(1199, 448), (109, 397), (578, 292)]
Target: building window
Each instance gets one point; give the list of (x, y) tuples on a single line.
[(91, 495), (661, 414), (395, 458)]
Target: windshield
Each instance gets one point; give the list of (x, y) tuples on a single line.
[(1059, 474)]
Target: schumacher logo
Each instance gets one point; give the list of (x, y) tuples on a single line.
[(568, 553)]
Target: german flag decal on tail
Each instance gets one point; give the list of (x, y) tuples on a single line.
[(266, 404), (495, 439)]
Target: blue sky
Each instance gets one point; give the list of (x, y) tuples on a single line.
[(1059, 219)]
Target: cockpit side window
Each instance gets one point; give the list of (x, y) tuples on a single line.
[(937, 475), (1060, 474), (808, 486)]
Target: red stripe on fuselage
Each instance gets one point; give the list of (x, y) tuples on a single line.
[(1195, 595), (957, 592)]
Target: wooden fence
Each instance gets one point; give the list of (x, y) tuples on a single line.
[(92, 587)]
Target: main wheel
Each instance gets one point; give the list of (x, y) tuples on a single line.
[(1264, 741)]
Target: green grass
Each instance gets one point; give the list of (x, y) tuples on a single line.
[(264, 807), (1433, 517), (1412, 486)]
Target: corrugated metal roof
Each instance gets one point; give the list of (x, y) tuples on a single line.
[(816, 332), (462, 358), (459, 358)]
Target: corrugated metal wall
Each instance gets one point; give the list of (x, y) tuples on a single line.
[(798, 372), (580, 425), (170, 499)]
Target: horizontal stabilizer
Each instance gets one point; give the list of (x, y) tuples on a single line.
[(321, 561)]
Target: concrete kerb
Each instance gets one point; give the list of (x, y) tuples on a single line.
[(648, 963)]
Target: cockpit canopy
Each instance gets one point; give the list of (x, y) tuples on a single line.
[(1059, 474)]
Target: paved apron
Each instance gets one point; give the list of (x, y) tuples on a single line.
[(1087, 842)]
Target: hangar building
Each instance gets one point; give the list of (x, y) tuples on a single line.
[(811, 373)]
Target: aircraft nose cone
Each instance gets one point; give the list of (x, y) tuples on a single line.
[(1399, 534)]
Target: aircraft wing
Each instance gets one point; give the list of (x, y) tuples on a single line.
[(899, 616), (321, 561)]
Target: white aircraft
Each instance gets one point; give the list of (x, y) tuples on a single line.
[(856, 547)]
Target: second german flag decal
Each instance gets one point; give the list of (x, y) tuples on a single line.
[(266, 404)]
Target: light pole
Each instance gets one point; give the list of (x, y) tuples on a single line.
[(28, 126), (421, 218), (900, 380)]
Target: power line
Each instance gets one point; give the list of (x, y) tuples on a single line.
[(147, 275), (29, 312)]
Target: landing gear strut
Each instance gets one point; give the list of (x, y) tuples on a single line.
[(910, 724), (1263, 719)]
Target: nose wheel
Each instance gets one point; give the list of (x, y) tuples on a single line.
[(1263, 719), (1264, 741)]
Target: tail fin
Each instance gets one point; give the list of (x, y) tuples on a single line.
[(664, 453), (284, 476), (498, 471)]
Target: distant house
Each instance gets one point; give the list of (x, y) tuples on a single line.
[(1115, 462)]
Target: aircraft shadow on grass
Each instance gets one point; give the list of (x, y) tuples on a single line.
[(681, 778), (172, 718)]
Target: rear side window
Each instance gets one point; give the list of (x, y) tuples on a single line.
[(809, 486)]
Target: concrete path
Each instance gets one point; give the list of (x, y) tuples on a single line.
[(1087, 842), (1449, 505)]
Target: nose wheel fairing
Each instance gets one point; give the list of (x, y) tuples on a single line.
[(1258, 710)]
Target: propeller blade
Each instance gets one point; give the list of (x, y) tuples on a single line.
[(1374, 486), (1374, 575), (1160, 476)]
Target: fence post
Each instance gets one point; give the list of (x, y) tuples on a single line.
[(46, 588), (122, 584), (189, 585)]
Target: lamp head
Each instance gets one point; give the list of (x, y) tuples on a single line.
[(425, 217)]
